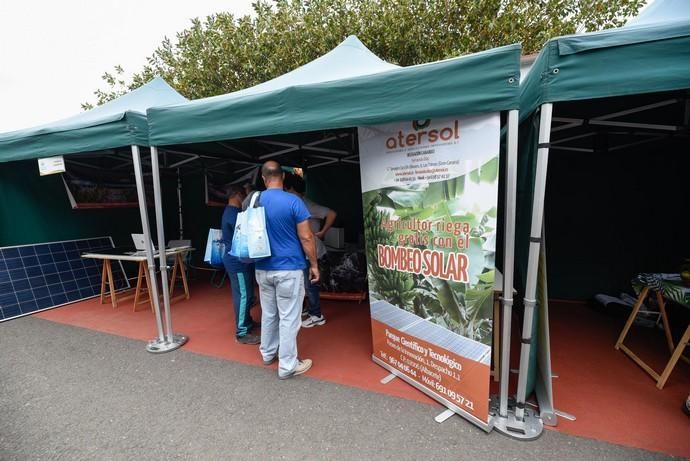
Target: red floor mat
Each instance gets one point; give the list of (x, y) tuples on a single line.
[(611, 397)]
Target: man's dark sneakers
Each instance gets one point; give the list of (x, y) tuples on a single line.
[(271, 360), (249, 339)]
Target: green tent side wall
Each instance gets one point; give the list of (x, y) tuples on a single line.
[(527, 164), (338, 188), (36, 209), (646, 58), (631, 216), (197, 217), (599, 213)]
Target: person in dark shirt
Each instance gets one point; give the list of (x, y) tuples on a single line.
[(322, 218), (281, 276), (241, 275)]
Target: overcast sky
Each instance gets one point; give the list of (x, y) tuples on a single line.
[(53, 53)]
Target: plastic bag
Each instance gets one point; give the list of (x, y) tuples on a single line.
[(239, 246), (215, 248), (250, 240)]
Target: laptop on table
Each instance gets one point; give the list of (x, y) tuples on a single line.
[(140, 245)]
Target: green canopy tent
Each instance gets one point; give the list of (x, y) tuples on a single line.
[(108, 129), (589, 95), (346, 88), (483, 82)]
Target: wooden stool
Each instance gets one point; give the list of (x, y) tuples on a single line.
[(180, 267)]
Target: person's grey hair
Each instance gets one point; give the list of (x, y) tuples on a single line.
[(271, 170)]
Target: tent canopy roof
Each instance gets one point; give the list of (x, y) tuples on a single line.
[(346, 87), (648, 55), (120, 122), (662, 11), (349, 59)]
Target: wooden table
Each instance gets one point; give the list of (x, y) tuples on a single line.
[(108, 283)]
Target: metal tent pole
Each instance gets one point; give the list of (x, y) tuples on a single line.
[(524, 427), (139, 177), (533, 259), (172, 341)]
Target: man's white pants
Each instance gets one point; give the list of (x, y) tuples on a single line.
[(282, 295)]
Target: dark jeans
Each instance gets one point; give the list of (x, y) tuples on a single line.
[(242, 286), (313, 291)]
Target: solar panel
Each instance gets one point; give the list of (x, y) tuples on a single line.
[(46, 275), (421, 328)]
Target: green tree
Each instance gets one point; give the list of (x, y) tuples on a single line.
[(225, 53)]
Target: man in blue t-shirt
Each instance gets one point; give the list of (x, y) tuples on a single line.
[(281, 276), (241, 275)]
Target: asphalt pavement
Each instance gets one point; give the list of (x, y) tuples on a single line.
[(71, 393)]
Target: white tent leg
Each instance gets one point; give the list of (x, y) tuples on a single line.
[(533, 260), (505, 421), (172, 340), (139, 177)]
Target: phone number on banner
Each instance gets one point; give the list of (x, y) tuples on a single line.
[(432, 384)]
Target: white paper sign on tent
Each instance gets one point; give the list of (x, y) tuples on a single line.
[(51, 165)]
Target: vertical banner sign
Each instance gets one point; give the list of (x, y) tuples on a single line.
[(430, 193)]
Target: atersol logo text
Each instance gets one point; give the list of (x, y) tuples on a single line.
[(421, 136)]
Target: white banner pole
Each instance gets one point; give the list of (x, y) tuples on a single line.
[(508, 256)]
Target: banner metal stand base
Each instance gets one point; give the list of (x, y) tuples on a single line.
[(388, 378), (530, 428), (157, 346), (444, 416)]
